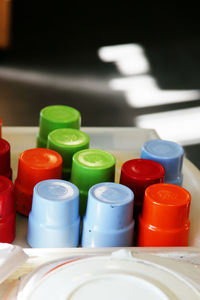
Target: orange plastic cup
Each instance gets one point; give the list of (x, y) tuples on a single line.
[(34, 166), (165, 216)]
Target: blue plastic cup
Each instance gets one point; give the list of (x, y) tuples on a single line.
[(109, 216), (54, 221), (169, 154)]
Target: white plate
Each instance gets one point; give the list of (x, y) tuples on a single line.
[(113, 277)]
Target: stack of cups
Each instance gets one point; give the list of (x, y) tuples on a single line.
[(34, 166), (5, 169), (89, 167), (169, 155), (164, 221), (54, 220), (67, 142), (109, 216), (7, 211), (54, 117)]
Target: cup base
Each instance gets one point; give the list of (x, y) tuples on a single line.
[(154, 237), (41, 236), (7, 229), (92, 238)]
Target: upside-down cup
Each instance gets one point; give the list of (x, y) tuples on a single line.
[(89, 167), (54, 220), (138, 174), (5, 169), (109, 216), (56, 116), (0, 126), (164, 221), (67, 142), (35, 165), (7, 211), (169, 154)]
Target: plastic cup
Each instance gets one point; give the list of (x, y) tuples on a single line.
[(109, 216), (34, 166), (54, 221), (5, 169), (7, 210), (67, 142), (54, 117), (89, 167), (169, 155), (0, 126), (165, 216), (138, 174)]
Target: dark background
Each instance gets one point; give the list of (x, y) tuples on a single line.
[(62, 38), (53, 31)]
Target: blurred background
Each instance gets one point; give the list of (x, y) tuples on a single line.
[(119, 65)]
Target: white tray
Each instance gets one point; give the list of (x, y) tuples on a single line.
[(124, 143), (186, 264)]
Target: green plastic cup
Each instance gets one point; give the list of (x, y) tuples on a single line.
[(90, 167), (54, 117), (67, 142)]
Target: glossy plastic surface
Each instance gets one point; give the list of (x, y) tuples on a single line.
[(109, 216), (54, 220), (35, 165), (5, 168), (7, 211), (0, 126), (165, 216), (56, 116), (169, 154), (138, 174), (89, 167), (125, 144), (67, 142)]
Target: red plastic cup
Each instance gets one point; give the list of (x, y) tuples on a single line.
[(5, 169), (34, 166), (165, 216), (0, 126), (7, 210), (138, 174)]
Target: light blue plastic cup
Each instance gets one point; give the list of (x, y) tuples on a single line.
[(54, 221), (169, 154), (108, 221)]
